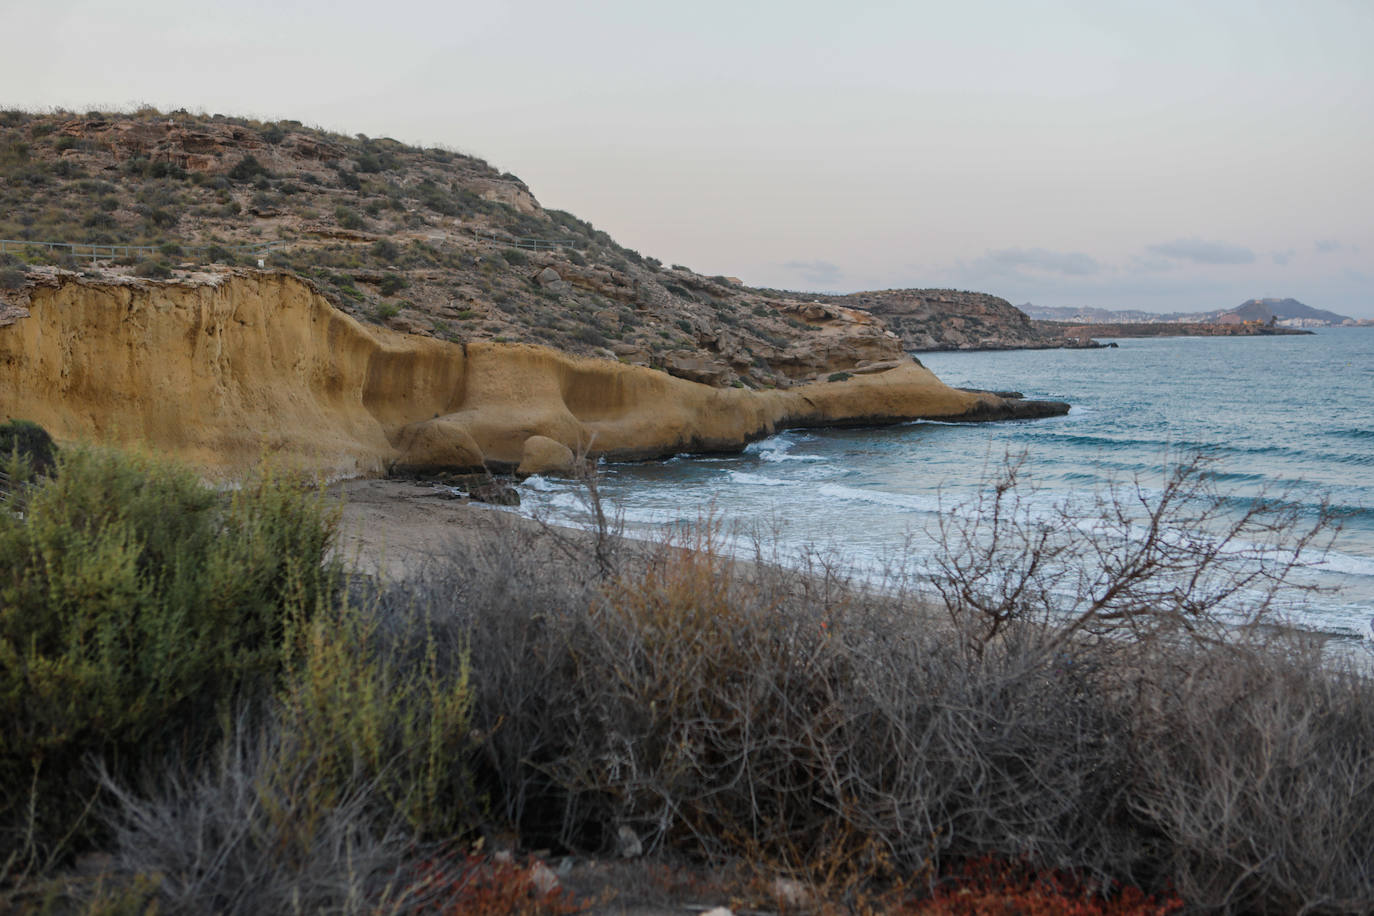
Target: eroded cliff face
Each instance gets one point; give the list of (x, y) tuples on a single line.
[(224, 371)]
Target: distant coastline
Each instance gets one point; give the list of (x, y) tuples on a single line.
[(1163, 329)]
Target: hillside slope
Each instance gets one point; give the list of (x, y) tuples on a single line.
[(425, 241)]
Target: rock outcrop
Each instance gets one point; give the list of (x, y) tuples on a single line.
[(946, 319), (223, 372)]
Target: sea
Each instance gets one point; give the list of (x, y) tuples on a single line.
[(1285, 418)]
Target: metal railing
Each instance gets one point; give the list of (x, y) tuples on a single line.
[(95, 251), (528, 244)]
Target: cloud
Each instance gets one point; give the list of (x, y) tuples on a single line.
[(1200, 251), (1015, 260), (822, 273), (1283, 257), (1326, 246)]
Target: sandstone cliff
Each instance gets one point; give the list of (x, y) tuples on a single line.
[(224, 370), (946, 319)]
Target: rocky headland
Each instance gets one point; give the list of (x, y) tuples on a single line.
[(219, 287), (225, 368), (947, 319)]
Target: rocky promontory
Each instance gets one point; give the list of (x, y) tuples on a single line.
[(219, 287), (947, 319), (222, 370)]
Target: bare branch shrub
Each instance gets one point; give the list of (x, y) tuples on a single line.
[(1126, 562), (246, 837), (1256, 767), (798, 718), (721, 709)]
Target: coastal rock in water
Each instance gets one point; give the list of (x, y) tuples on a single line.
[(496, 493), (542, 455)]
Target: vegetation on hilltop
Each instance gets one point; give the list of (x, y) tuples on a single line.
[(428, 241)]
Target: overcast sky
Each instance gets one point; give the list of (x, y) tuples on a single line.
[(1164, 155)]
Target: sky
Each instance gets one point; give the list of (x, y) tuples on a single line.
[(1174, 155)]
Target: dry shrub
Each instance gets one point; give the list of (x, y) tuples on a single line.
[(247, 836), (1257, 769), (847, 737), (727, 711), (1127, 562)]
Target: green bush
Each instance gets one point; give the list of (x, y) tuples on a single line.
[(349, 219), (382, 697), (392, 284), (515, 257), (21, 439), (136, 606), (385, 250), (247, 168), (155, 270)]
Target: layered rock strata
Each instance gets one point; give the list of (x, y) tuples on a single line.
[(225, 371)]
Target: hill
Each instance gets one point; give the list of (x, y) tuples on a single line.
[(1285, 310), (250, 267), (947, 319), (427, 241), (435, 243)]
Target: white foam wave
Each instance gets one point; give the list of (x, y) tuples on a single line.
[(757, 480), (778, 448), (1345, 563)]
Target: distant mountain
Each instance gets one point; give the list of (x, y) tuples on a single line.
[(1284, 310)]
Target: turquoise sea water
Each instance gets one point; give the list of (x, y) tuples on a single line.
[(1289, 416)]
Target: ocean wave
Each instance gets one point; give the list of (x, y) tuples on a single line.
[(779, 447), (1347, 564), (757, 480), (538, 484), (908, 501)]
